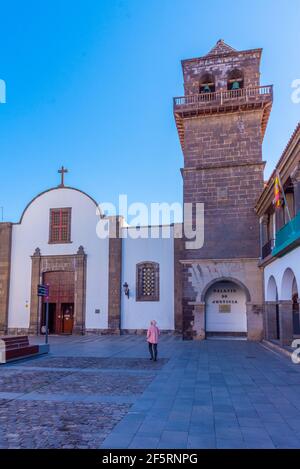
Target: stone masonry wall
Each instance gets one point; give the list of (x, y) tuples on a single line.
[(223, 139), (223, 170), (115, 276), (246, 61), (5, 260)]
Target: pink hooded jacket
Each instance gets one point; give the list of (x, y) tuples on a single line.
[(153, 333)]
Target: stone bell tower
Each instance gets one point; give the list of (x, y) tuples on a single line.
[(221, 121)]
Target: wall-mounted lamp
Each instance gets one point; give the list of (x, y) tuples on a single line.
[(126, 289)]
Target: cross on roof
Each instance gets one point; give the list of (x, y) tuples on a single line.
[(62, 171)]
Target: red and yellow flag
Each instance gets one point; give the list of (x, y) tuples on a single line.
[(277, 193)]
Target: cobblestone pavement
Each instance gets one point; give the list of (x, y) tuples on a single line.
[(103, 391), (41, 381), (26, 381), (114, 384), (94, 362), (36, 424)]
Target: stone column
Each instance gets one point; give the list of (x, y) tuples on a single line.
[(189, 297), (263, 225), (285, 321), (115, 274), (295, 177), (297, 308), (270, 320), (255, 326), (198, 320), (80, 292), (34, 299), (178, 255), (5, 264)]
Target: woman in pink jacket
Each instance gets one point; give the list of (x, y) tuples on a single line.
[(152, 339)]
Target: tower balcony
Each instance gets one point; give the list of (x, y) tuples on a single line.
[(221, 102)]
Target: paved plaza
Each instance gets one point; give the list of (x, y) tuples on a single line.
[(104, 392)]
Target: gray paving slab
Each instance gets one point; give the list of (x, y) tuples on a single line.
[(210, 394)]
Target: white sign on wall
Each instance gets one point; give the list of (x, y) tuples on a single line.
[(226, 308)]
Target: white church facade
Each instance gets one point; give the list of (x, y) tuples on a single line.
[(56, 243), (117, 283)]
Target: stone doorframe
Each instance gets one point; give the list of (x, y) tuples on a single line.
[(201, 274), (65, 263), (253, 313)]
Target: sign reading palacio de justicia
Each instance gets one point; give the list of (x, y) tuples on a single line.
[(224, 299)]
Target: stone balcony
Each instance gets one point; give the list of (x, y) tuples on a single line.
[(221, 102)]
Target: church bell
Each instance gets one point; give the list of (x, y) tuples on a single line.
[(206, 89), (235, 85)]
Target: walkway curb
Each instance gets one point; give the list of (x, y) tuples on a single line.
[(277, 348)]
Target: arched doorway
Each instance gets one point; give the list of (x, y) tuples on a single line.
[(272, 292), (287, 284), (61, 302), (225, 309), (289, 292), (272, 296)]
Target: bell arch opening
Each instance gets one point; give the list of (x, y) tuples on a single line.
[(235, 80), (207, 83)]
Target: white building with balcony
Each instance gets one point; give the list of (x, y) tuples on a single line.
[(280, 246)]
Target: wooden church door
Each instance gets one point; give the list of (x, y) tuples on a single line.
[(61, 297)]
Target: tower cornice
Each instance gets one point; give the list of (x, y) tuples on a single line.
[(245, 99), (216, 58)]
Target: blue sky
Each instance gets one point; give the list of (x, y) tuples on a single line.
[(90, 86)]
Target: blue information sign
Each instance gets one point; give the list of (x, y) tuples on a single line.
[(43, 290)]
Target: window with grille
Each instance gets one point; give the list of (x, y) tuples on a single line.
[(60, 225), (147, 281)]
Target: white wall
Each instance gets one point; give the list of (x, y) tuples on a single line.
[(33, 232), (278, 267), (138, 314), (233, 321)]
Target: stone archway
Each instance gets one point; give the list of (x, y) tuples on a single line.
[(272, 291), (201, 275), (63, 263), (226, 279), (287, 285), (226, 308), (288, 307)]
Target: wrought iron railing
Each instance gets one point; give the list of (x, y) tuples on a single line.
[(267, 248)]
